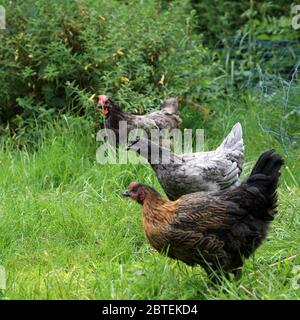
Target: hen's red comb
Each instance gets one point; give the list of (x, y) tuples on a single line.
[(102, 99), (132, 185)]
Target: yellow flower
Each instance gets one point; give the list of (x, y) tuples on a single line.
[(91, 98), (118, 53), (17, 55), (87, 66), (162, 80), (125, 79)]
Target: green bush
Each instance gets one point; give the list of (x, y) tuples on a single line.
[(247, 34), (220, 20), (55, 55)]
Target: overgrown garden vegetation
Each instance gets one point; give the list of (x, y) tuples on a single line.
[(65, 231)]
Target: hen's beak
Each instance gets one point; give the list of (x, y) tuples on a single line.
[(126, 193), (102, 109)]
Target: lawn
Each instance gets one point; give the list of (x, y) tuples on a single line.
[(67, 233)]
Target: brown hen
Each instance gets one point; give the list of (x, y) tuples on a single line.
[(215, 230)]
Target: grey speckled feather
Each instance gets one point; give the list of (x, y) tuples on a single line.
[(166, 118), (202, 171)]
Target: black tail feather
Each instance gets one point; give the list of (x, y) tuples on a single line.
[(268, 164), (264, 177), (265, 173)]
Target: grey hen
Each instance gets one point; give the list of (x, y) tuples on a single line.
[(202, 171), (166, 118)]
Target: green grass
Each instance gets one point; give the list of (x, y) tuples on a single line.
[(66, 232)]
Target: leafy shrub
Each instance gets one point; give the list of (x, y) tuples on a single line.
[(220, 20), (55, 55), (245, 34)]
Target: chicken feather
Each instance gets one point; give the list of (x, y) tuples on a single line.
[(202, 171)]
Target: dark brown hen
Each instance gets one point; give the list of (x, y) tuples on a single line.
[(214, 230)]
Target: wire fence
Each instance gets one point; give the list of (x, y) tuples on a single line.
[(285, 95), (275, 79)]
